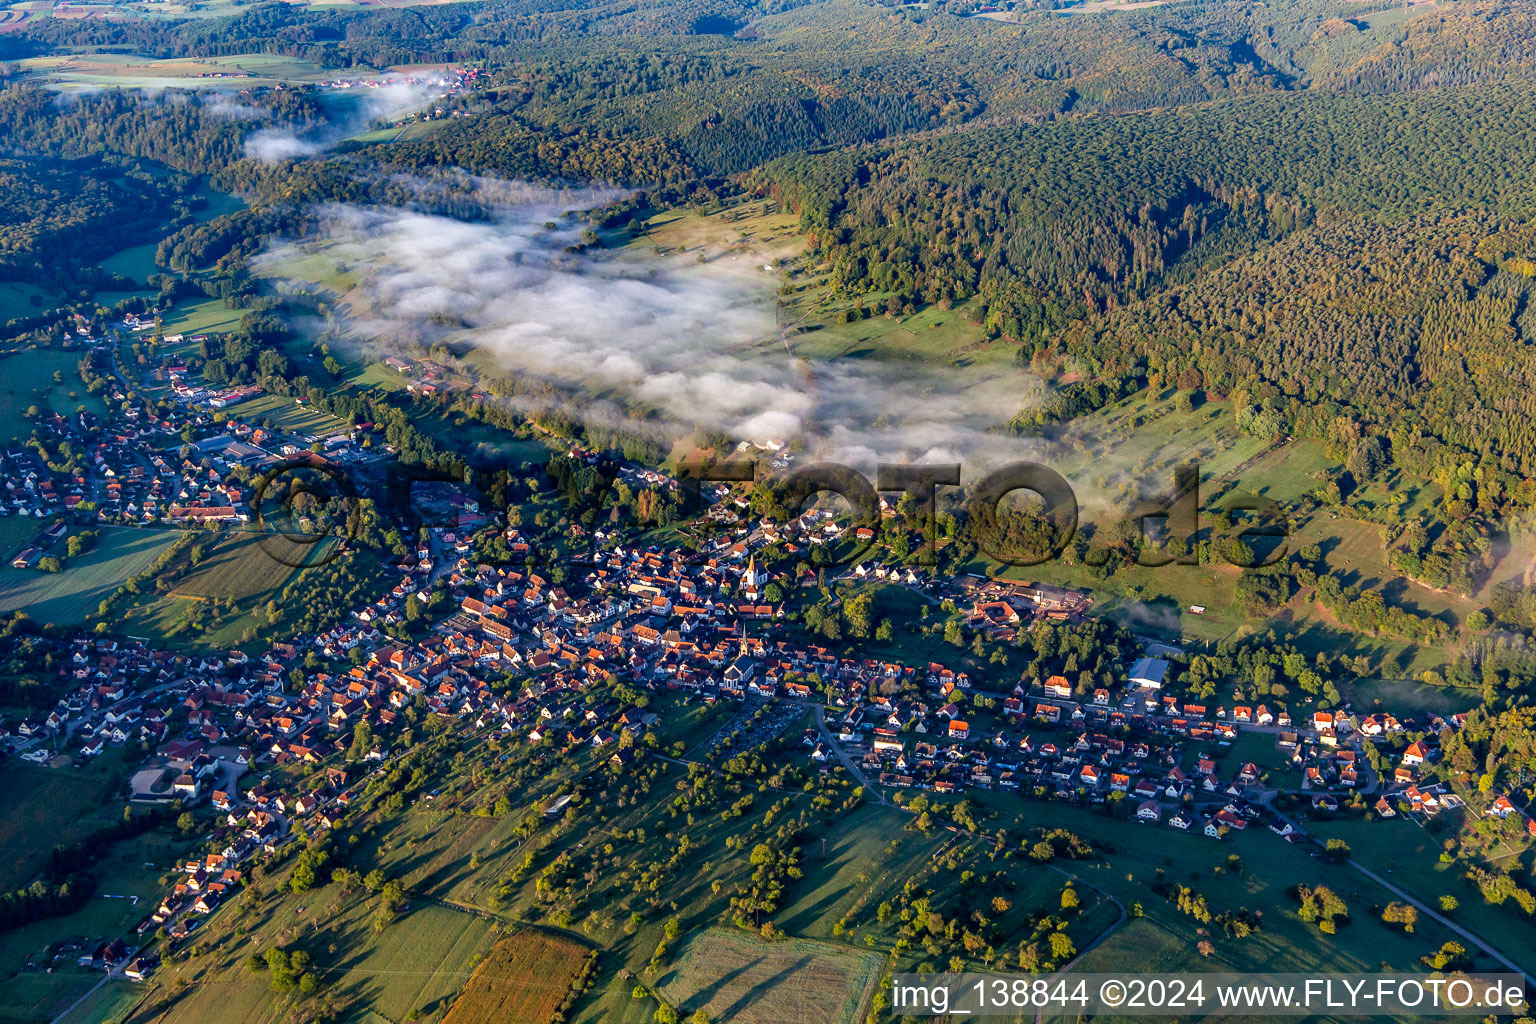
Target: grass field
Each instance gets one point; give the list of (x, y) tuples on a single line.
[(485, 439), (1131, 448), (200, 316), (133, 71), (236, 567), (36, 998), (46, 806), (19, 299), (1138, 856), (735, 976), (1286, 471), (416, 965), (239, 567), (282, 413), (441, 850), (868, 855), (71, 596), (135, 263), (113, 1003), (745, 230), (524, 977), (1409, 855), (17, 531), (1259, 748), (1355, 553), (29, 381), (359, 373), (130, 874), (316, 263), (110, 299), (1395, 694)]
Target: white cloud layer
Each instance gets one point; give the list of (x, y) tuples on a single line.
[(693, 345)]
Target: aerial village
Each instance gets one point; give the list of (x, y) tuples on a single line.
[(698, 626)]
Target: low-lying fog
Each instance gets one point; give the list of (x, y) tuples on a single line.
[(693, 344)]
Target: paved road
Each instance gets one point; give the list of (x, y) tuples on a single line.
[(1442, 919), (76, 1004), (113, 974), (843, 756), (1106, 933)]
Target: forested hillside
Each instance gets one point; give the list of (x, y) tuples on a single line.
[(57, 220), (1357, 269)]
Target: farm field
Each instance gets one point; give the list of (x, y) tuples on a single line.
[(739, 977), (72, 596), (525, 977), (411, 130)]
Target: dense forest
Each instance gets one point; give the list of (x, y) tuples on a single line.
[(56, 219), (1320, 252)]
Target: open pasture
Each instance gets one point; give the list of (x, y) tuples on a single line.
[(739, 977), (71, 596)]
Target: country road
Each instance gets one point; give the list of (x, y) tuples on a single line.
[(76, 1004), (1442, 919)]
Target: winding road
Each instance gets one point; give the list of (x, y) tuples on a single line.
[(1442, 919)]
